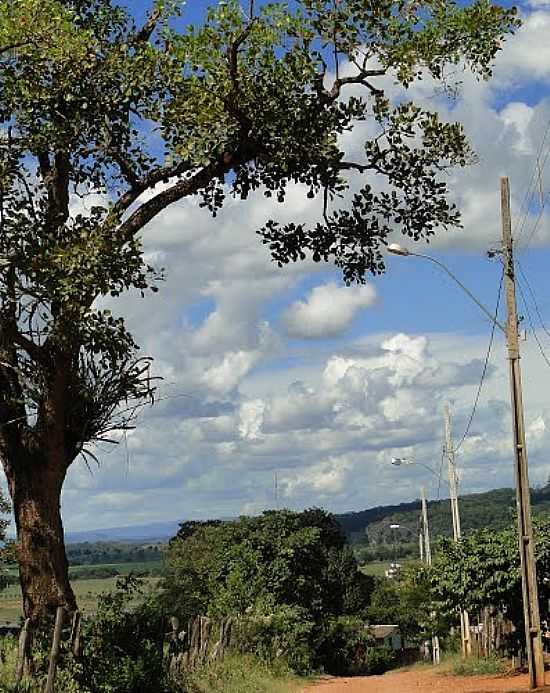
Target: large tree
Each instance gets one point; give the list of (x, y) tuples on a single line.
[(142, 116)]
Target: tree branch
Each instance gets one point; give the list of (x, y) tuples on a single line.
[(14, 46), (361, 78), (144, 34), (160, 175), (178, 191)]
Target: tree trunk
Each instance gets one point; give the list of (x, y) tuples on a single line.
[(35, 489)]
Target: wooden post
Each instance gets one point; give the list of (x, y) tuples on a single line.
[(22, 650), (75, 634), (533, 635), (54, 654)]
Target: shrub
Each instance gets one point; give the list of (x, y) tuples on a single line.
[(123, 644), (379, 660), (348, 648), (283, 636)]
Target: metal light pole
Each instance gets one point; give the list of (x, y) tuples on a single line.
[(533, 634), (455, 514), (457, 532), (428, 555)]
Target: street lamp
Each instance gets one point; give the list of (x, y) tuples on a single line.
[(533, 635), (453, 486), (407, 461), (397, 249)]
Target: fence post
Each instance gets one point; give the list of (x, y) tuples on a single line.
[(75, 634), (22, 650), (54, 654)]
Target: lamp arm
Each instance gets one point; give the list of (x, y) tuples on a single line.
[(492, 318)]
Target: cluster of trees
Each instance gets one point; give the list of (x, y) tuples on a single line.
[(480, 571), (279, 558), (94, 553), (294, 569), (255, 97), (385, 552), (483, 570)]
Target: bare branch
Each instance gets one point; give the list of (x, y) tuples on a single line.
[(361, 78)]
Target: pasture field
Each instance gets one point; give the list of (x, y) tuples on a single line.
[(121, 568), (86, 590), (378, 568)]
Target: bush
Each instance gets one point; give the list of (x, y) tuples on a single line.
[(123, 645), (283, 636), (348, 648), (379, 660)]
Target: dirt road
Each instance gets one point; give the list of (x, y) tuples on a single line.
[(417, 681)]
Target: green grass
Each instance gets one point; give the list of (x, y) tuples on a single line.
[(479, 667), (86, 592), (122, 568), (473, 666), (242, 674)]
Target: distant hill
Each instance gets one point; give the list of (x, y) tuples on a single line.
[(495, 509), (155, 531)]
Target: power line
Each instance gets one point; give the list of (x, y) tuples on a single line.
[(484, 371), (537, 222), (530, 289), (531, 187), (530, 319)]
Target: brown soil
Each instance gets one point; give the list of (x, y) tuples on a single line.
[(415, 681)]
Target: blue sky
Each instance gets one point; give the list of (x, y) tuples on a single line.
[(288, 372)]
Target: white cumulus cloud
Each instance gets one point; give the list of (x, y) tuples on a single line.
[(328, 310)]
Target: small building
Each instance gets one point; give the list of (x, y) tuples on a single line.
[(387, 635)]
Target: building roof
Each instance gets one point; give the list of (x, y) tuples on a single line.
[(381, 631)]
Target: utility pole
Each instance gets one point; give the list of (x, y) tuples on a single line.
[(457, 533), (525, 528), (425, 534)]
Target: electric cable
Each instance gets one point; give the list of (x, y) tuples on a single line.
[(484, 371)]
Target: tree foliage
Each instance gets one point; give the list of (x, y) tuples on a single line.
[(258, 563), (483, 570), (104, 123), (407, 601)]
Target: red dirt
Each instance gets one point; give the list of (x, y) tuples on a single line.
[(424, 680)]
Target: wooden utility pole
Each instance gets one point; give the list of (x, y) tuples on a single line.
[(426, 528), (525, 529), (457, 532), (428, 558)]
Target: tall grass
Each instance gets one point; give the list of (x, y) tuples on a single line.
[(242, 674), (474, 666)]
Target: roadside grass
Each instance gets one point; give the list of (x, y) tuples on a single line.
[(455, 665), (242, 674)]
